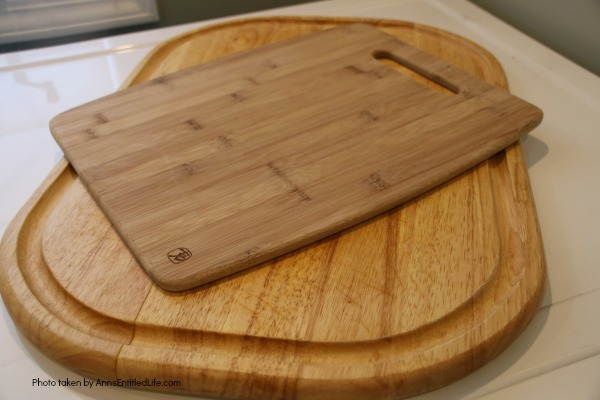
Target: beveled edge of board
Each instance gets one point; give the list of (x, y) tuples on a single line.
[(25, 295)]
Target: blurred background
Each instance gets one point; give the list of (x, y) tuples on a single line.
[(572, 28)]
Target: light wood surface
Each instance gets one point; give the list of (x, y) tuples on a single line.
[(222, 166), (398, 305)]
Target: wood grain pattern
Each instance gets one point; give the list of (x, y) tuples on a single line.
[(401, 304), (217, 168)]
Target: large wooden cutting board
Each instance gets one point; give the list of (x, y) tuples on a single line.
[(222, 166), (401, 304)]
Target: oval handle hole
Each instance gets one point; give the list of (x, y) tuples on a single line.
[(415, 73)]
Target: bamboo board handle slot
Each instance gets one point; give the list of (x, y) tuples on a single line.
[(432, 71), (412, 71)]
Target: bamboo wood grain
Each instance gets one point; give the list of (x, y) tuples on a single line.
[(398, 305), (216, 168)]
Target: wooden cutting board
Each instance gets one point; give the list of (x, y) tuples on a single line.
[(401, 304), (219, 167)]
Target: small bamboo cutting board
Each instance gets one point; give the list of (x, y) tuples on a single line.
[(401, 304), (222, 166)]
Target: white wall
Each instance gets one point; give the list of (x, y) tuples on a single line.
[(570, 27)]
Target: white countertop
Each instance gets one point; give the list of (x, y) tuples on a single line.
[(557, 357)]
